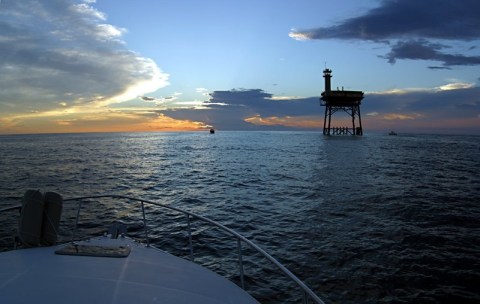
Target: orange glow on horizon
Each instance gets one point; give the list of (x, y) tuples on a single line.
[(287, 121), (109, 121)]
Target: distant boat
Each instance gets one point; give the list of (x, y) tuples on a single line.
[(392, 133), (212, 131)]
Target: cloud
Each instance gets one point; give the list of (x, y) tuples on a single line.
[(55, 52), (454, 104), (299, 35), (440, 19), (286, 97), (397, 116), (439, 68), (424, 50), (203, 91), (410, 26), (455, 86), (263, 103), (158, 100), (445, 87), (302, 122), (146, 98), (449, 108), (245, 109), (95, 120), (447, 101)]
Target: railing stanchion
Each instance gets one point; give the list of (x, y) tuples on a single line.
[(190, 245), (308, 295), (145, 225), (74, 234), (305, 297), (240, 262)]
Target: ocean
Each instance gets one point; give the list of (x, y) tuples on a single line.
[(372, 219)]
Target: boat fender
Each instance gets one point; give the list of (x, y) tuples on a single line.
[(31, 216), (51, 217)]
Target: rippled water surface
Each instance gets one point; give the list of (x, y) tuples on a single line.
[(377, 219)]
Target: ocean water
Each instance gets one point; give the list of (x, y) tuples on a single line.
[(376, 219)]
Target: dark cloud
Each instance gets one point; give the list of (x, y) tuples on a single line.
[(439, 68), (410, 23), (240, 97), (147, 98), (260, 102), (228, 110), (441, 19), (422, 49), (435, 105)]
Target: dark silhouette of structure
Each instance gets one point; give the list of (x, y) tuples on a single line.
[(334, 101)]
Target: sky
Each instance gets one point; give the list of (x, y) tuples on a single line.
[(185, 65)]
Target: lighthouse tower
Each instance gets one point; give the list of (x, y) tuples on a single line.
[(346, 101)]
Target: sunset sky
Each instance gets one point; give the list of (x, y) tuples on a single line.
[(158, 65)]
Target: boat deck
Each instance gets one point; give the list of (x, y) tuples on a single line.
[(146, 275)]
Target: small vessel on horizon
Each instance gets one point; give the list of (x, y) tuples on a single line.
[(392, 133), (212, 131)]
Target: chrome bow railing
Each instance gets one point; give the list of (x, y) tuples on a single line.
[(308, 295)]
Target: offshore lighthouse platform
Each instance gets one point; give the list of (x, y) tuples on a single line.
[(336, 100)]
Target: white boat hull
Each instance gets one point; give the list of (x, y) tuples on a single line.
[(147, 275)]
